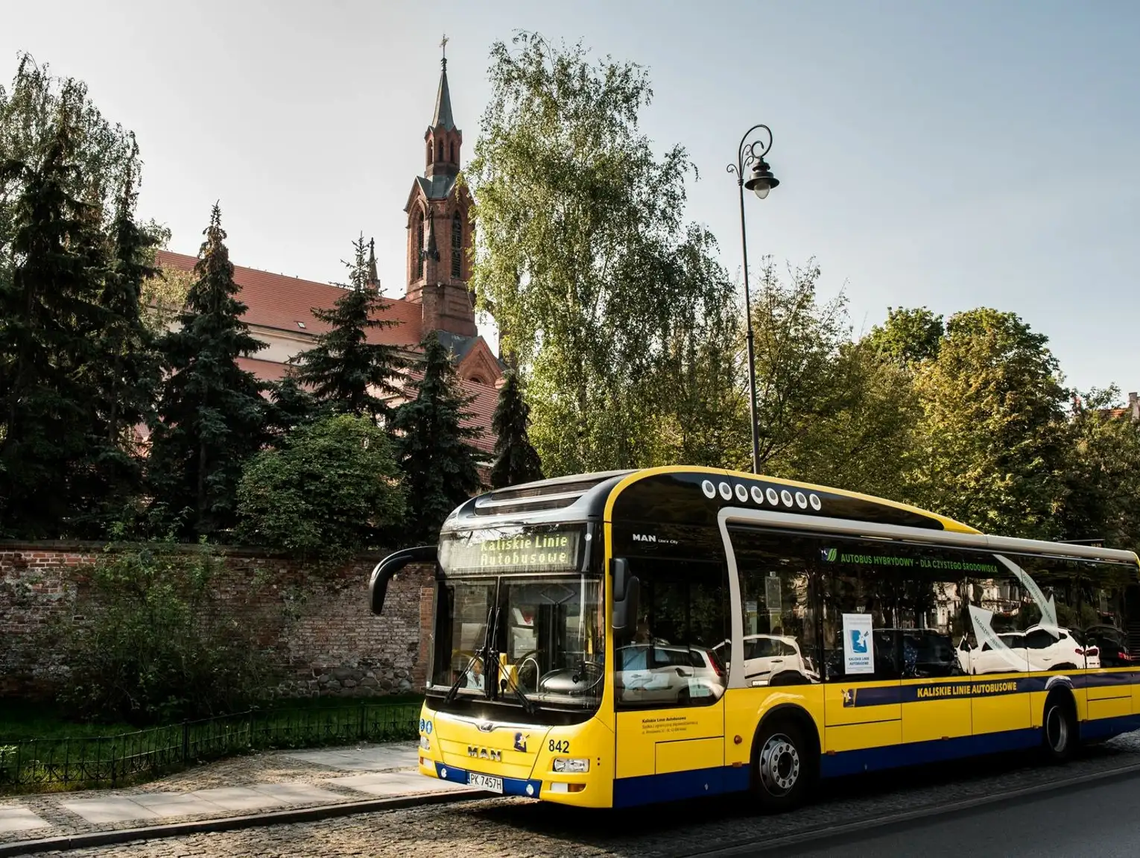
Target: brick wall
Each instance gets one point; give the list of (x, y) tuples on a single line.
[(317, 623)]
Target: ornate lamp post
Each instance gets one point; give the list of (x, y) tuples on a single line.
[(760, 182)]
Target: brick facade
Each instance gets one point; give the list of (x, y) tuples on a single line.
[(317, 624)]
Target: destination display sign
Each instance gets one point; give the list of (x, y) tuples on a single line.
[(545, 550)]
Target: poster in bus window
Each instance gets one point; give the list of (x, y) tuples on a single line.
[(858, 650)]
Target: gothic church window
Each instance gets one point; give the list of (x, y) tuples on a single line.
[(419, 249), (440, 150), (457, 246)]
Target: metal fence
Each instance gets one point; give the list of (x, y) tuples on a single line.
[(128, 757)]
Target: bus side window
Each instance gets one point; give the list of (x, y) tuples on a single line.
[(777, 605)]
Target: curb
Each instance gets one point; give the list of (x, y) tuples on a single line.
[(828, 832), (233, 823)]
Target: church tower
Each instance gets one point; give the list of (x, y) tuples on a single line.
[(439, 233)]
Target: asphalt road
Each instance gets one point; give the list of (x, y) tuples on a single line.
[(1098, 820)]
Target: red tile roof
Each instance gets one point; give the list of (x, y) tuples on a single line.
[(482, 409), (277, 301)]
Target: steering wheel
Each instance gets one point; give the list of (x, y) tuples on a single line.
[(520, 665)]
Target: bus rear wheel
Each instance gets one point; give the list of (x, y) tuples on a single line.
[(783, 767), (1059, 730)]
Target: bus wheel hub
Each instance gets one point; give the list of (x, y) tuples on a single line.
[(779, 765)]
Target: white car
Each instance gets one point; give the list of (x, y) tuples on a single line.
[(1035, 649), (667, 674), (767, 655)]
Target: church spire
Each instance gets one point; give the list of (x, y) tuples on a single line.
[(373, 278), (443, 118), (444, 141)]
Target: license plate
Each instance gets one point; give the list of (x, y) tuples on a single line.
[(486, 782)]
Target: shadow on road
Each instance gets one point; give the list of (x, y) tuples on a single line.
[(688, 828)]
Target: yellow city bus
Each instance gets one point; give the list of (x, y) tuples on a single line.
[(615, 639)]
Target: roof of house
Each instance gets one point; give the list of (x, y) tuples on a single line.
[(280, 302)]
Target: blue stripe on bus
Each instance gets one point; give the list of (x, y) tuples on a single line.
[(511, 786), (674, 786), (934, 751), (1106, 728), (647, 789), (886, 695)]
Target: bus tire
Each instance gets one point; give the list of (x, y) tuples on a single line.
[(784, 765), (1059, 729)]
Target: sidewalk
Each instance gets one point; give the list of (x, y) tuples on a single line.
[(265, 782)]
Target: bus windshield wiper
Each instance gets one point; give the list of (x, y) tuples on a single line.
[(528, 705)]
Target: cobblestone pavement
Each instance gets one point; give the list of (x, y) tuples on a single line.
[(513, 827)]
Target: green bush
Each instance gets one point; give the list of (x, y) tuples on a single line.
[(331, 491), (154, 646)]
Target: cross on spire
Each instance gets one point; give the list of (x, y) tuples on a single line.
[(443, 46)]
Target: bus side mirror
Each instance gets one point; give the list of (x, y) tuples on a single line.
[(627, 590), (387, 568)]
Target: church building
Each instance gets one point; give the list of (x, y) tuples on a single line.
[(436, 296)]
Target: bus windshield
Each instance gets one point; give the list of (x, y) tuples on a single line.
[(533, 636)]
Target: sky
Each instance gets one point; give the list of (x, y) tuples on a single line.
[(934, 153)]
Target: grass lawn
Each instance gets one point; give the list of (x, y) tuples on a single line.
[(40, 749)]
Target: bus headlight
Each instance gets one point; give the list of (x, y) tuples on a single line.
[(425, 744), (573, 766)]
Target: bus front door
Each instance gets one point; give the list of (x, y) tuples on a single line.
[(670, 723)]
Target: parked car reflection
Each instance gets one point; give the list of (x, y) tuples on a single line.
[(654, 673), (767, 656), (1038, 648)]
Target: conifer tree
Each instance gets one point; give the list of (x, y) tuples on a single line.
[(212, 416), (440, 467), (516, 461), (292, 406), (346, 372), (125, 377), (48, 313)]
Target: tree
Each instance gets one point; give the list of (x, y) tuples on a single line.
[(48, 321), (212, 414), (292, 407), (331, 491), (77, 369), (862, 442), (1102, 473), (164, 297), (125, 377), (697, 407), (908, 336), (101, 154), (516, 461), (797, 346), (992, 443), (581, 256), (432, 431), (346, 371)]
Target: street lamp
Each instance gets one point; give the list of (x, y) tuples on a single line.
[(761, 181)]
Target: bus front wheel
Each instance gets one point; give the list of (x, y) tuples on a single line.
[(783, 767)]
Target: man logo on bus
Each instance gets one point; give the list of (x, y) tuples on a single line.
[(858, 641), (829, 554), (849, 697)]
